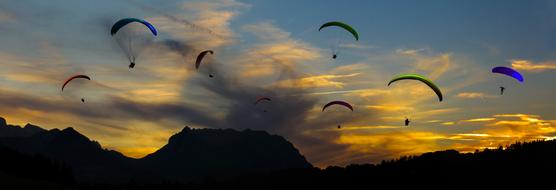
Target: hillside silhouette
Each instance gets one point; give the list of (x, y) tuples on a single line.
[(229, 159), (527, 165), (190, 155)]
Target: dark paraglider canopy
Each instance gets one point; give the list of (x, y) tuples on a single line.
[(201, 56), (74, 77), (262, 99), (341, 103), (200, 59)]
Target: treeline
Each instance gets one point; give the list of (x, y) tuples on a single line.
[(521, 165), (24, 170)]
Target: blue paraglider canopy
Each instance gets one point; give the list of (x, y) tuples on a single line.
[(509, 72), (121, 23)]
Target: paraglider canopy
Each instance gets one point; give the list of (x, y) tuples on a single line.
[(419, 78), (508, 72), (201, 56), (123, 22), (341, 103), (341, 25), (74, 77), (262, 99)]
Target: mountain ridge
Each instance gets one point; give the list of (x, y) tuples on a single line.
[(190, 155)]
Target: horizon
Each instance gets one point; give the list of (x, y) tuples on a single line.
[(275, 49)]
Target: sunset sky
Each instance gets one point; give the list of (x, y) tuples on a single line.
[(274, 49)]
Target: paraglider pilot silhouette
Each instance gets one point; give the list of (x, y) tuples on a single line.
[(502, 90), (407, 121)]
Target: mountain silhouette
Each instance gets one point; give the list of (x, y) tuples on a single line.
[(230, 159), (16, 131), (223, 152), (190, 155), (87, 158)]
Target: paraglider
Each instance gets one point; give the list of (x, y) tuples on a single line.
[(340, 103), (407, 121), (419, 78), (125, 42), (71, 79), (262, 99), (343, 26), (508, 72), (200, 58)]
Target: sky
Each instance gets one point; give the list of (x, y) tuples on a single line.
[(274, 49)]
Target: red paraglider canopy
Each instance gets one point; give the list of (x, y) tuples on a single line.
[(261, 99), (74, 77), (342, 103)]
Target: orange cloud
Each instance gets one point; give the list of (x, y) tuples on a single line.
[(473, 95), (390, 108), (527, 65), (480, 119), (315, 81)]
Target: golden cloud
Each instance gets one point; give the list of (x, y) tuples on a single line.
[(480, 119), (315, 81), (527, 65), (473, 95)]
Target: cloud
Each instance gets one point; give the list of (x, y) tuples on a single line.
[(526, 65), (275, 55), (267, 31), (315, 81), (410, 52), (390, 108), (356, 46), (480, 119), (6, 17), (474, 95), (387, 144), (212, 16)]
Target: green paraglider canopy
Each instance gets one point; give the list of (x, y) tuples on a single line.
[(419, 78), (341, 25)]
